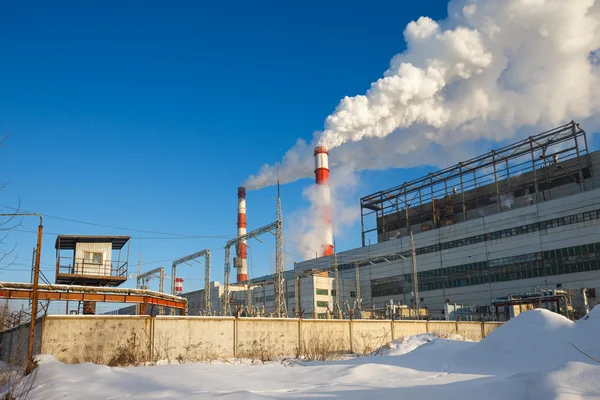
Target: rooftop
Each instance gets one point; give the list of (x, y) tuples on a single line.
[(67, 242)]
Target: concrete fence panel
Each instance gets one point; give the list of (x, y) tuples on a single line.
[(489, 327), (193, 338), (324, 336), (409, 328), (267, 337), (443, 327), (101, 339), (368, 336), (470, 330)]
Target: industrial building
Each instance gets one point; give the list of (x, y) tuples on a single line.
[(515, 223), (524, 218)]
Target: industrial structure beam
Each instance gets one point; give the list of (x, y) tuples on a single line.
[(471, 184), (21, 291), (274, 226), (161, 281), (203, 253)]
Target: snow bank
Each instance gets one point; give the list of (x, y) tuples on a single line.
[(537, 340), (530, 357), (407, 344)]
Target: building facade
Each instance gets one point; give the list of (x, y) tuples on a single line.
[(533, 226)]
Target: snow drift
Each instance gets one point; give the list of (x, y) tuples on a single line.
[(536, 340), (530, 357)]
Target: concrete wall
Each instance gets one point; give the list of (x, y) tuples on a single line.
[(369, 335), (97, 339), (319, 334), (112, 339), (264, 335), (193, 338)]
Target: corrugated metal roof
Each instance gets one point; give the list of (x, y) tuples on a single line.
[(67, 242)]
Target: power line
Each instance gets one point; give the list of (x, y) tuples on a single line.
[(146, 238), (112, 226)]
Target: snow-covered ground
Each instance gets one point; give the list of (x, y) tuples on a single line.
[(530, 357)]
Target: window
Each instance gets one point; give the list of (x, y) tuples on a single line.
[(352, 294), (322, 292), (322, 304), (93, 258), (333, 292), (291, 295)]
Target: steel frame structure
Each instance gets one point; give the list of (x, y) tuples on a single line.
[(280, 301), (274, 226), (471, 184), (146, 276), (203, 253)]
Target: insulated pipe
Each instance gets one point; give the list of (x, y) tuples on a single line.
[(324, 198), (241, 250)]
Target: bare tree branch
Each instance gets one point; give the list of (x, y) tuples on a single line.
[(585, 354)]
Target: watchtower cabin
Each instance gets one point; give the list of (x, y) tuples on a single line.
[(91, 260)]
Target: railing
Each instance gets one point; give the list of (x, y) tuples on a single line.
[(80, 266)]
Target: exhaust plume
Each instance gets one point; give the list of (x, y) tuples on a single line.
[(491, 70)]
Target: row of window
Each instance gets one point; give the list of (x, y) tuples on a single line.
[(504, 233), (322, 292), (553, 262), (322, 304)]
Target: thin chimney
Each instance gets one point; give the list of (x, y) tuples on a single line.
[(322, 180), (241, 251)]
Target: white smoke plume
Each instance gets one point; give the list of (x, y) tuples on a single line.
[(494, 70), (491, 69), (306, 232)]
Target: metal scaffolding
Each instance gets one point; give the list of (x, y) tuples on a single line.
[(527, 170)]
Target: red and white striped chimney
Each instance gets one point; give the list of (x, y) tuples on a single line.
[(241, 251), (322, 180)]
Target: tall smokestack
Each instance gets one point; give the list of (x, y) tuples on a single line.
[(324, 201), (241, 252)]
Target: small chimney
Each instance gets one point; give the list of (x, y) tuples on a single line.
[(322, 181), (241, 262)]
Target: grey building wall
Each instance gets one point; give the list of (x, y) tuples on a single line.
[(498, 247)]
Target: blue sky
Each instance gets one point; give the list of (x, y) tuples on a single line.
[(148, 115)]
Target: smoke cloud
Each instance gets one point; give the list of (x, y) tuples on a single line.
[(306, 233), (491, 70)]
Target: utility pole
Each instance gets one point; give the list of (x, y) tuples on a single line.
[(336, 307), (297, 295), (207, 282), (415, 280), (280, 302), (358, 300), (36, 278), (225, 308)]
